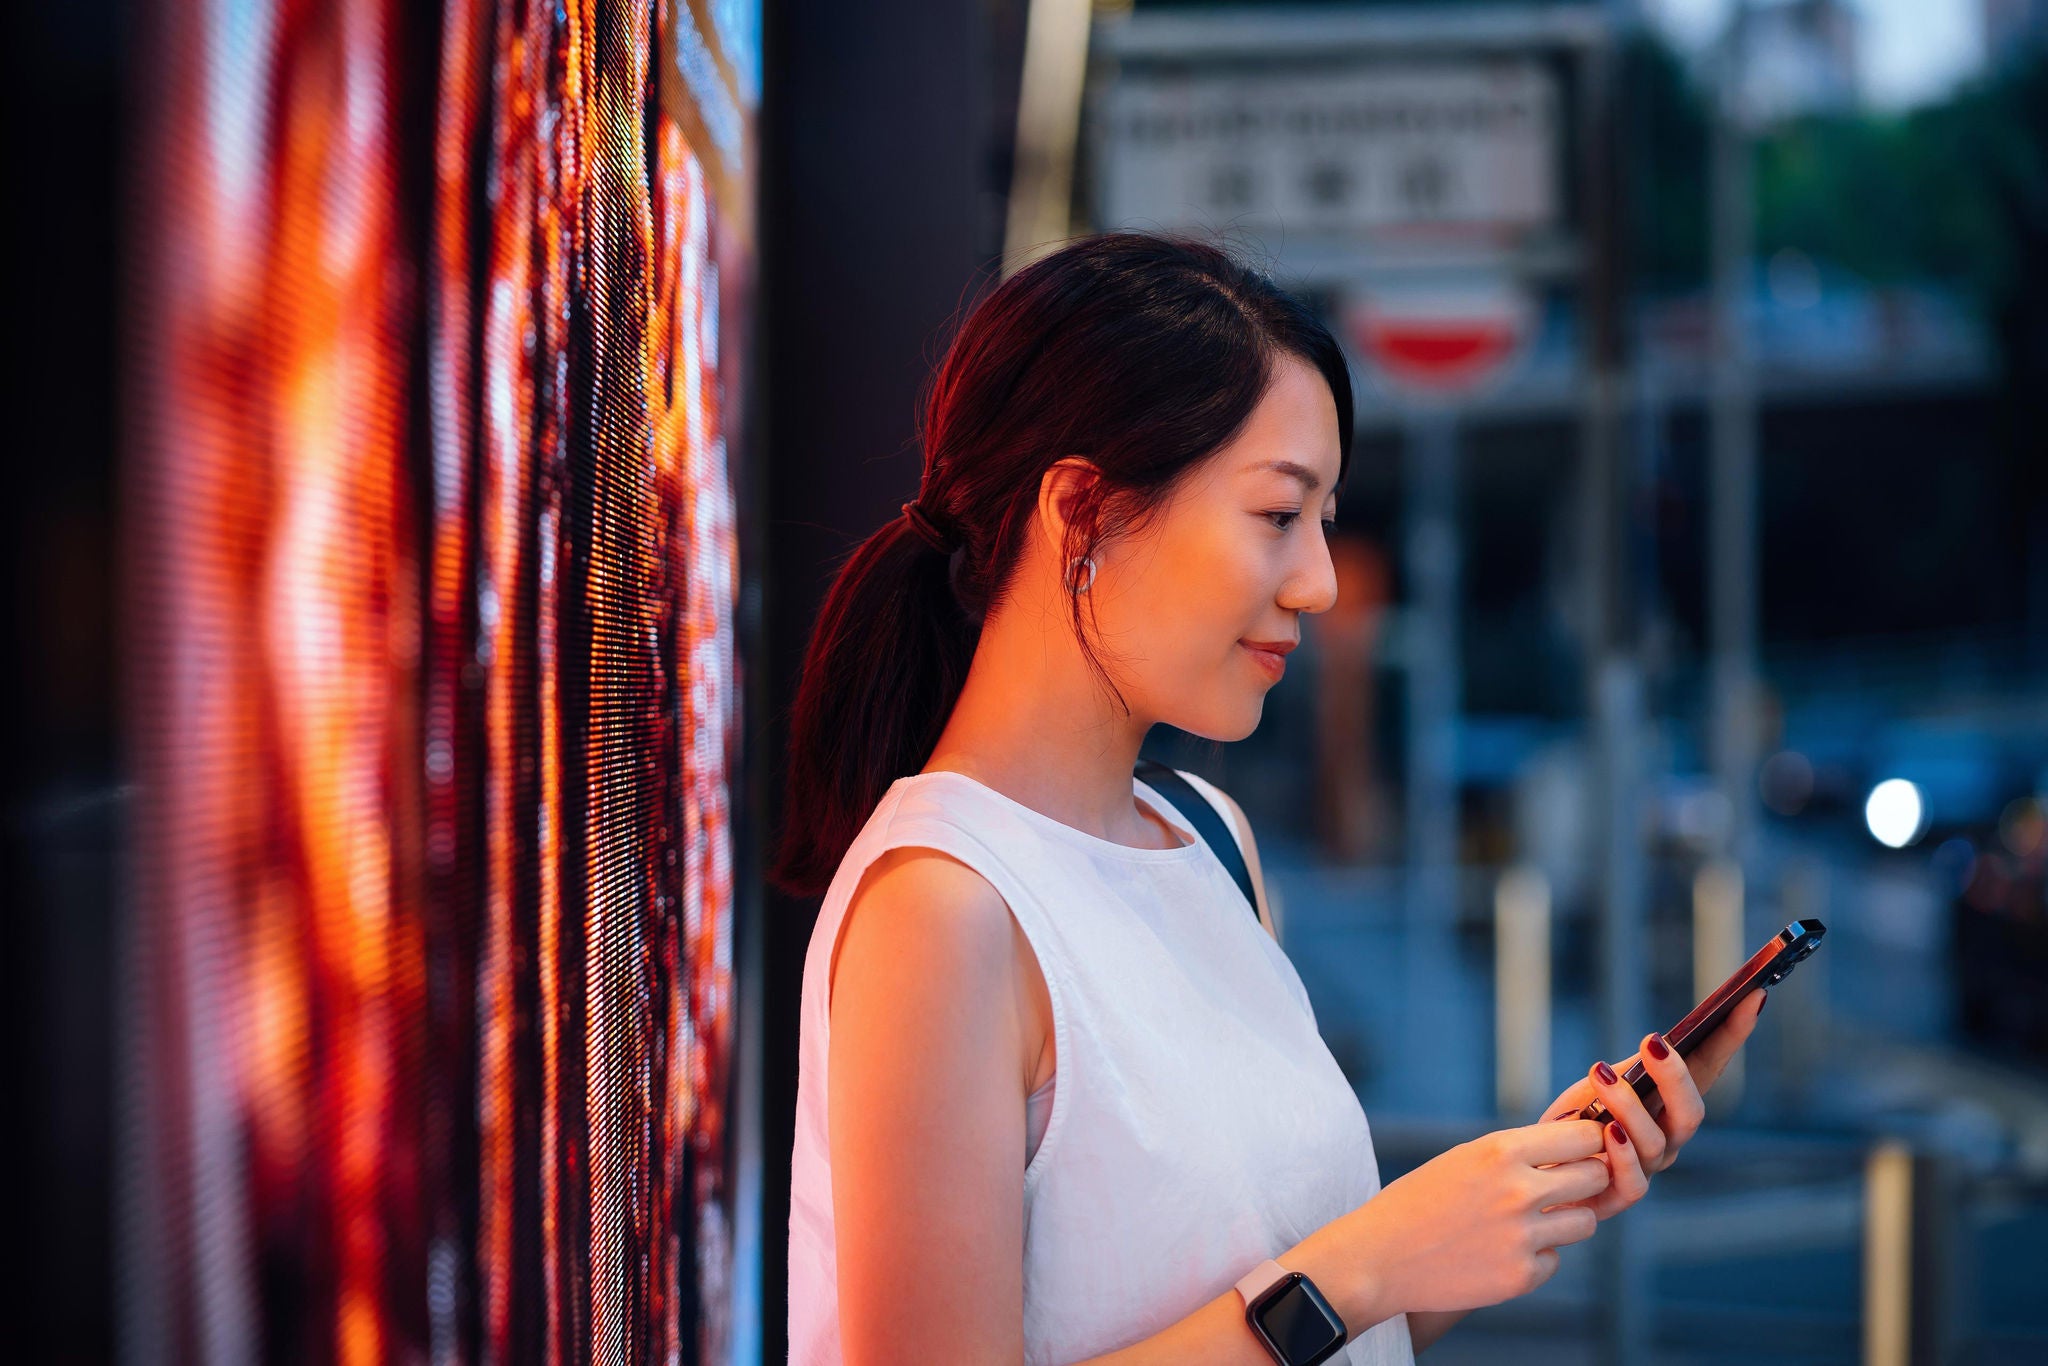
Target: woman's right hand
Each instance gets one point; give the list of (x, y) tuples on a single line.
[(1472, 1227)]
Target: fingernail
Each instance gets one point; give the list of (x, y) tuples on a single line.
[(1658, 1049), (1764, 1002), (1605, 1073), (1620, 1134)]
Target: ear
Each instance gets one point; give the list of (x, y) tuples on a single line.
[(1061, 491)]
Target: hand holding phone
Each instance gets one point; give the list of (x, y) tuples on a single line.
[(1644, 1143), (1766, 967)]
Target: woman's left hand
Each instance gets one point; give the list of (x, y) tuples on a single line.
[(1638, 1145)]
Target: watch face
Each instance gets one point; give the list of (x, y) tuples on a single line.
[(1297, 1324)]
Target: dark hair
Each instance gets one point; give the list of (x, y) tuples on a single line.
[(1142, 353)]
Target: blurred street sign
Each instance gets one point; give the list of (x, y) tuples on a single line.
[(1425, 171), (1466, 147), (1438, 337), (1350, 143)]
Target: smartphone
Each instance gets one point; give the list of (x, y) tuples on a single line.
[(1766, 967)]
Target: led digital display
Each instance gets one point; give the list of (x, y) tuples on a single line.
[(432, 568)]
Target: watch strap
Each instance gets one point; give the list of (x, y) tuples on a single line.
[(1269, 1284), (1260, 1279)]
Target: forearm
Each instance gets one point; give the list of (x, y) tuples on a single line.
[(1426, 1326), (1217, 1334)]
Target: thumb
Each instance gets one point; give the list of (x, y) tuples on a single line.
[(1710, 1059)]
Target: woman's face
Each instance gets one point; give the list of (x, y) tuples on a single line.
[(1236, 556)]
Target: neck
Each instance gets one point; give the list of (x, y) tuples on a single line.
[(1037, 724)]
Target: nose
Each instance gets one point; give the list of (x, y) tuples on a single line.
[(1311, 584)]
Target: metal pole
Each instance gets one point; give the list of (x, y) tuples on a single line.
[(1614, 677), (1433, 676), (1732, 511), (1434, 690), (1622, 1254)]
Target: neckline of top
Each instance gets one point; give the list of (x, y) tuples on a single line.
[(1164, 809)]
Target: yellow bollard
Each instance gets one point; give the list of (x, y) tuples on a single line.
[(1717, 951), (1888, 1255), (1521, 990)]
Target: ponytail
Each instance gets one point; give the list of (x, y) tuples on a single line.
[(885, 665)]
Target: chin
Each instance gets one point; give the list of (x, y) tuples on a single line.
[(1225, 724)]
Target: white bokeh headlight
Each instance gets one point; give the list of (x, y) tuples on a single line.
[(1896, 813)]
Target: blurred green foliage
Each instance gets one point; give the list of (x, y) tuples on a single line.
[(1665, 144), (1954, 192)]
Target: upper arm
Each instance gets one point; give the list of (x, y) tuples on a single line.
[(926, 1117), (1251, 860)]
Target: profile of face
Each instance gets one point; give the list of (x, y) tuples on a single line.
[(1235, 557)]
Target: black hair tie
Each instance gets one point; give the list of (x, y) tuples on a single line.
[(929, 530)]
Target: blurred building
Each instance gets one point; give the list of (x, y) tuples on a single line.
[(1796, 57), (2013, 28)]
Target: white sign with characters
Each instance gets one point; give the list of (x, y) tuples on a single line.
[(1428, 147)]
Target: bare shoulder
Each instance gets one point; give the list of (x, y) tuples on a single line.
[(926, 910), (923, 926)]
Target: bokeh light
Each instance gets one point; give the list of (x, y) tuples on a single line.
[(1896, 813)]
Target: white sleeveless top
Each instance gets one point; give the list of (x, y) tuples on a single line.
[(1199, 1124)]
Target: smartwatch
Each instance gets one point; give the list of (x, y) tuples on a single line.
[(1290, 1316)]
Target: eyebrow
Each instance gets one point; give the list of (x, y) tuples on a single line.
[(1310, 480)]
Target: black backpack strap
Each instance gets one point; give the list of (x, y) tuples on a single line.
[(1195, 808)]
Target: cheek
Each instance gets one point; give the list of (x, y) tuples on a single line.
[(1235, 573), (1222, 601), (1193, 594)]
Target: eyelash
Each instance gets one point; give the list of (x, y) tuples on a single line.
[(1329, 524)]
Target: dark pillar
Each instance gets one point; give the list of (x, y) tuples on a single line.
[(884, 168)]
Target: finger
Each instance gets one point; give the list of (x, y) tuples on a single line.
[(1568, 1105), (1563, 1227), (1683, 1108), (1630, 1182), (1573, 1181), (1582, 1093), (1711, 1057), (1546, 1266), (1565, 1141), (1625, 1105)]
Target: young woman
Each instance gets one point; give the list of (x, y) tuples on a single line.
[(1060, 1095)]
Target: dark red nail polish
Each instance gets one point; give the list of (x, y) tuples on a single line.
[(1605, 1073), (1657, 1047), (1763, 1002), (1620, 1134)]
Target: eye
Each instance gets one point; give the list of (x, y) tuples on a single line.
[(1286, 519)]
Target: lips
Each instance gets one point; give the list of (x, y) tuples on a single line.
[(1270, 655)]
